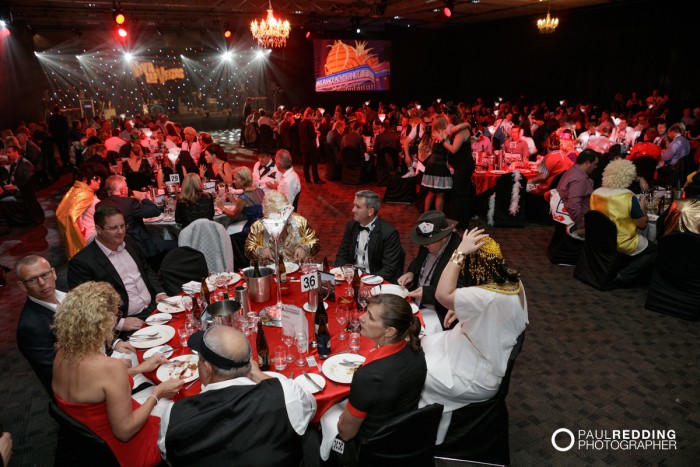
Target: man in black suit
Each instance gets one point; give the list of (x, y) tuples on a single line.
[(370, 243), (307, 143), (18, 203), (135, 209), (35, 337), (115, 257), (435, 235)]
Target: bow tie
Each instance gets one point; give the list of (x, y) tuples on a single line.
[(263, 170), (366, 229)]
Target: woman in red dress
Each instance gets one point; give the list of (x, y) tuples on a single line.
[(95, 389)]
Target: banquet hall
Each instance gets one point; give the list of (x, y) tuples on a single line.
[(593, 361)]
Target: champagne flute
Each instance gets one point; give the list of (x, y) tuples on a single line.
[(288, 340), (341, 315), (301, 342), (363, 297), (349, 273), (187, 303)]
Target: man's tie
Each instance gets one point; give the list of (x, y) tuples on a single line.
[(366, 229), (263, 170)]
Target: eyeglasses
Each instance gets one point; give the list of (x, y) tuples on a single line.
[(35, 280), (115, 228)]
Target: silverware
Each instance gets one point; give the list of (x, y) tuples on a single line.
[(312, 381), (173, 301), (291, 375), (349, 364), (165, 349), (145, 337)]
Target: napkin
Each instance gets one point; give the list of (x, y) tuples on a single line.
[(192, 287), (329, 427)]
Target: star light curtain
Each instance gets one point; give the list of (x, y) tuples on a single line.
[(190, 77)]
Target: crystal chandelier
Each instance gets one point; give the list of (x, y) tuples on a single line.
[(547, 25), (272, 32)]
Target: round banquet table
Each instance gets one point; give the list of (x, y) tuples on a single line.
[(332, 392), (485, 180)]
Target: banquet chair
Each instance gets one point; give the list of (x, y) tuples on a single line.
[(507, 204), (334, 166), (563, 249), (479, 432), (400, 190), (646, 168), (85, 445), (409, 439), (352, 166), (600, 261), (267, 140), (181, 265), (675, 282), (211, 238), (387, 163)]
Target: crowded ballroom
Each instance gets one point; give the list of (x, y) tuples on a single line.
[(349, 233)]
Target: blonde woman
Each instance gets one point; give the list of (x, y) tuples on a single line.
[(298, 239), (95, 389), (248, 203), (192, 202)]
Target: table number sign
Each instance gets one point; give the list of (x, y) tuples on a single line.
[(175, 178)]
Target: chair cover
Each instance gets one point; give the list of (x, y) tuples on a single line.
[(212, 240), (89, 448), (387, 164), (506, 205), (407, 440), (479, 432), (600, 261), (352, 166), (181, 265), (334, 166), (266, 140), (564, 249), (675, 283), (646, 168), (400, 190)]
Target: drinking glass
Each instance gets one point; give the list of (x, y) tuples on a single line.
[(301, 341), (288, 340), (349, 273), (187, 303), (363, 296), (342, 314), (252, 321), (184, 334), (191, 327), (355, 342), (280, 358), (355, 322)]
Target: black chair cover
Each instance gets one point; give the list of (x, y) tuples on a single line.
[(504, 191), (675, 283), (352, 166), (407, 440), (266, 140), (600, 261), (563, 249), (646, 168), (181, 265), (86, 446), (400, 190), (387, 164), (334, 165), (479, 432)]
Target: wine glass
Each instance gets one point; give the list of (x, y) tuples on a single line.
[(301, 342), (349, 273), (342, 314), (187, 303), (363, 296), (288, 340)]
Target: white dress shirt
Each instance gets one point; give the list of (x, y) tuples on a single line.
[(362, 247), (271, 175), (290, 185)]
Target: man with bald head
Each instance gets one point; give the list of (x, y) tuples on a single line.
[(242, 416)]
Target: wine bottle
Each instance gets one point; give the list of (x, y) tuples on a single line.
[(356, 284), (263, 350), (196, 310), (323, 337), (256, 269), (320, 313), (282, 271), (325, 265), (206, 296)]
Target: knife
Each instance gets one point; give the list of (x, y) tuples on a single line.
[(312, 381)]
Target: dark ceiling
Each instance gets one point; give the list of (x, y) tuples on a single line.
[(43, 16)]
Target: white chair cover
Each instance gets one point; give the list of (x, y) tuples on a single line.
[(212, 240)]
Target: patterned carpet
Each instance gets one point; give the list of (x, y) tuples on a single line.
[(591, 360)]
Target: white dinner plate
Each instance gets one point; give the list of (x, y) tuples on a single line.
[(372, 280), (158, 318), (499, 172), (174, 368), (172, 306), (150, 352), (291, 267), (338, 273), (302, 381), (164, 334), (274, 374), (154, 219), (307, 308), (231, 278), (479, 171), (335, 371), (390, 289)]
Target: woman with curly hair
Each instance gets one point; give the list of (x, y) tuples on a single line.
[(629, 213), (467, 363), (95, 389)]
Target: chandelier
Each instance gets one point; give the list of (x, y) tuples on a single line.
[(272, 32), (547, 25)]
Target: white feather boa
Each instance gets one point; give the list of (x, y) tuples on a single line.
[(514, 199)]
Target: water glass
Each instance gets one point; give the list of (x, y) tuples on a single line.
[(363, 296), (280, 358), (341, 315), (355, 342), (349, 273), (187, 303), (184, 334), (313, 300), (288, 340), (301, 341)]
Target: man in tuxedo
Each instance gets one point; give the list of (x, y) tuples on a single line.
[(135, 209), (116, 258), (35, 337), (234, 394), (370, 243), (435, 235), (264, 172)]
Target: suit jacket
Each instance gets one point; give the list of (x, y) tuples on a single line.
[(91, 264), (134, 213), (429, 289), (35, 340), (388, 138), (307, 135), (385, 254)]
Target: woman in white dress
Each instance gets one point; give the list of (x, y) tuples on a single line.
[(466, 363)]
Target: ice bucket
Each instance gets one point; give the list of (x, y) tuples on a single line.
[(259, 288)]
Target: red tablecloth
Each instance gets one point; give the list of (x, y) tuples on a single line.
[(485, 180), (331, 393)]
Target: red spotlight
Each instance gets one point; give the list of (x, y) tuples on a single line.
[(227, 34), (447, 12), (122, 32), (308, 34)]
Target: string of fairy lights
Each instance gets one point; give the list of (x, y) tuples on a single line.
[(166, 79)]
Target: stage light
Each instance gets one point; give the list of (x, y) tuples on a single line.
[(227, 31), (226, 56), (128, 56), (122, 32), (308, 34), (260, 54), (3, 24), (448, 9), (119, 18)]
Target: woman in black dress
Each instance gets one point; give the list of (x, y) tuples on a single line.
[(192, 202), (458, 144), (437, 177)]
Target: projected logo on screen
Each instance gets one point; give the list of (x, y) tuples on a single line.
[(341, 66)]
